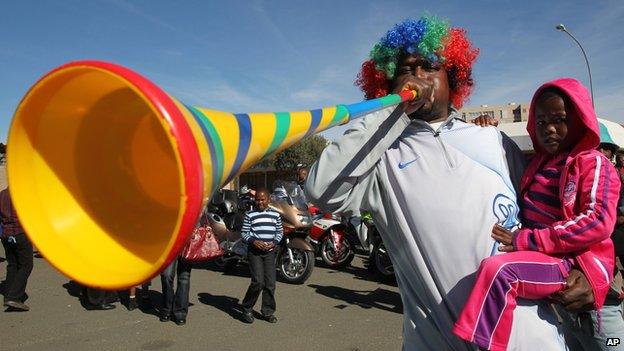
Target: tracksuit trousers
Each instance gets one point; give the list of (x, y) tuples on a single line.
[(488, 313)]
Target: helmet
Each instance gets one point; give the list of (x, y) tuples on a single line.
[(244, 190)]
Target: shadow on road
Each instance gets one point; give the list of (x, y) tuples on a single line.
[(73, 289), (379, 298), (360, 273), (146, 306), (226, 304), (238, 270)]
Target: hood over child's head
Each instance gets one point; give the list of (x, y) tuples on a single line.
[(562, 119)]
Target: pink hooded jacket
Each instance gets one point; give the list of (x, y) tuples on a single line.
[(589, 189)]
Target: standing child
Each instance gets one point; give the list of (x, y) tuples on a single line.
[(569, 195), (262, 231)]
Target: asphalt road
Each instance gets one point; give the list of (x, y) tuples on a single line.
[(333, 310)]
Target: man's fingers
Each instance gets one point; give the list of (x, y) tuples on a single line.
[(572, 279), (557, 297), (581, 307), (578, 296)]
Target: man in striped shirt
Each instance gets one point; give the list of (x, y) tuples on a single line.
[(262, 231)]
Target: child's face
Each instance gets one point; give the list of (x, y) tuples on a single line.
[(552, 123), (262, 199)]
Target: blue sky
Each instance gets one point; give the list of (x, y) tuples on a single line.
[(245, 56)]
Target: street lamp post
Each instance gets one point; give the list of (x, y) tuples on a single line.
[(562, 28)]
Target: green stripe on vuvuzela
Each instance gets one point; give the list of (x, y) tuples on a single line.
[(339, 116), (214, 136), (282, 120), (390, 100)]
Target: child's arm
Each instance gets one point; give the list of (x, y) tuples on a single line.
[(598, 191)]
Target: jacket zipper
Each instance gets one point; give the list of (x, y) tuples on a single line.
[(447, 158)]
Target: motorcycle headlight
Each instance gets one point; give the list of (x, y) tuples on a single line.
[(304, 219)]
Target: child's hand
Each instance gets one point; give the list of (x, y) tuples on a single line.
[(260, 244), (504, 237)]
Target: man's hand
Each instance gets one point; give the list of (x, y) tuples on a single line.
[(485, 121), (423, 87), (503, 236), (578, 296)]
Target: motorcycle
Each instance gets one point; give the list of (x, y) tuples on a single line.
[(334, 239), (378, 259), (295, 256)]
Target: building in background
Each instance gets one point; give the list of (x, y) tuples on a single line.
[(508, 113)]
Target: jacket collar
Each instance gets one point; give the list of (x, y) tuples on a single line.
[(420, 125)]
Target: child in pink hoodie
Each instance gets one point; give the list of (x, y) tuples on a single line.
[(568, 197)]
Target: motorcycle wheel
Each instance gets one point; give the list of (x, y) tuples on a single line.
[(298, 271), (380, 262), (337, 259)]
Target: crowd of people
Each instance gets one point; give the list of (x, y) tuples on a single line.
[(489, 249)]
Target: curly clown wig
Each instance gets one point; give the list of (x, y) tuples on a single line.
[(433, 39)]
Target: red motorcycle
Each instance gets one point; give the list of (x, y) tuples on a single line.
[(333, 239)]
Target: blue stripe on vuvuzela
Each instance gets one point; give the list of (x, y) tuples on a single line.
[(364, 107), (317, 115), (244, 130)]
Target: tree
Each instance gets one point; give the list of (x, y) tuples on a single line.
[(304, 152)]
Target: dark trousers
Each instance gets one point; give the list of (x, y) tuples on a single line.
[(177, 302), (262, 268), (19, 255)]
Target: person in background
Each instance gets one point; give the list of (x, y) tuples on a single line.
[(98, 300), (302, 175), (619, 161), (608, 149), (143, 293), (262, 231), (19, 255), (246, 200), (175, 302)]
